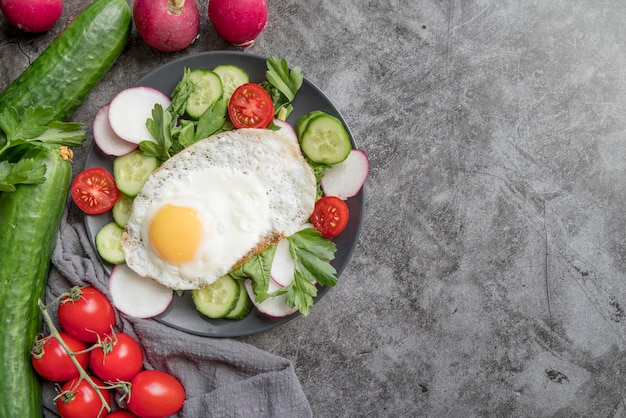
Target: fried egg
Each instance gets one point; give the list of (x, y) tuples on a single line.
[(218, 202)]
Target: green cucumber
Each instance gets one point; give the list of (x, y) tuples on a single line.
[(132, 170), (208, 90), (109, 243), (60, 78), (69, 68), (232, 76), (302, 122), (325, 140), (121, 209), (31, 216), (217, 299), (244, 305)]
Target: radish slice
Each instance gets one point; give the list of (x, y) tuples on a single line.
[(346, 179), (276, 307), (137, 296), (283, 264), (286, 128), (105, 138), (131, 108)]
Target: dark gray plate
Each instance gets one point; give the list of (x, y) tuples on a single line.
[(182, 314)]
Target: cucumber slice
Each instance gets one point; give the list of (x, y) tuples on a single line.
[(244, 304), (325, 140), (217, 299), (132, 170), (121, 209), (232, 77), (108, 243), (208, 91), (304, 120)]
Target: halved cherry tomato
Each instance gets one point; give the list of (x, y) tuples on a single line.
[(80, 400), (86, 314), (154, 393), (51, 361), (330, 216), (94, 190), (250, 106), (119, 358)]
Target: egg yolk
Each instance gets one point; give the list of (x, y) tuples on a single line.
[(175, 233)]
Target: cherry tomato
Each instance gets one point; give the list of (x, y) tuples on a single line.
[(119, 358), (330, 216), (250, 106), (86, 313), (80, 400), (94, 190), (51, 361), (155, 394)]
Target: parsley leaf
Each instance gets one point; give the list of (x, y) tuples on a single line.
[(212, 120), (258, 270), (25, 171), (282, 84), (34, 127), (160, 127)]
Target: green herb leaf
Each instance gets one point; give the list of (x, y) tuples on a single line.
[(212, 120), (282, 85), (181, 94), (26, 171), (37, 127), (160, 128), (286, 81), (258, 270)]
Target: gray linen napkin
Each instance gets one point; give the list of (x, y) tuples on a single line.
[(222, 377)]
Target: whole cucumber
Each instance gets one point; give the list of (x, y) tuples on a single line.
[(29, 222), (69, 68)]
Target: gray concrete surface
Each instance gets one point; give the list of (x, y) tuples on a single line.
[(489, 279)]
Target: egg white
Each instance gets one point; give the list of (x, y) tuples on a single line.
[(246, 185)]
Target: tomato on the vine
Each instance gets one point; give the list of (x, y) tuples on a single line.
[(52, 362), (80, 400), (86, 314), (94, 190), (119, 358), (155, 394), (330, 216), (250, 106)]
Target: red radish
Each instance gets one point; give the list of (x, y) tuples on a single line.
[(167, 25), (287, 129), (276, 307), (238, 21), (137, 296), (32, 15), (129, 110), (105, 137), (346, 179)]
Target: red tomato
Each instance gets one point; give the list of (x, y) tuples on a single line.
[(155, 394), (51, 361), (94, 190), (80, 400), (86, 313), (250, 106), (120, 358), (330, 216)]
